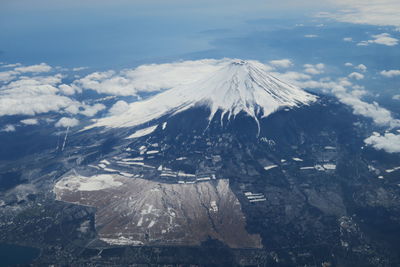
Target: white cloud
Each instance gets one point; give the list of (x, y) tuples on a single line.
[(396, 97), (72, 109), (348, 39), (8, 128), (348, 64), (30, 121), (356, 75), (314, 69), (378, 114), (292, 76), (149, 78), (41, 94), (311, 36), (119, 107), (7, 76), (281, 63), (22, 191), (358, 92), (79, 68), (42, 67), (33, 95), (108, 83), (11, 65), (373, 12), (90, 111), (390, 73), (361, 67), (389, 142), (69, 89), (67, 122), (382, 39)]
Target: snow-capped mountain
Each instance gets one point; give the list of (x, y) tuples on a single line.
[(184, 172), (238, 86)]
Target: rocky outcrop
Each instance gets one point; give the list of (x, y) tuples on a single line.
[(134, 211)]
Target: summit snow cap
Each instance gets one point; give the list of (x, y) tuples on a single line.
[(237, 86)]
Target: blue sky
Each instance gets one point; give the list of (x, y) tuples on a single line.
[(120, 34), (124, 33)]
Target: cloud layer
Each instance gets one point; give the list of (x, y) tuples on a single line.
[(373, 12), (390, 73), (148, 78), (32, 90), (382, 39), (281, 63), (67, 122), (389, 142), (36, 89)]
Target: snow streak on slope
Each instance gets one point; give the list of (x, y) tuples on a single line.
[(237, 86)]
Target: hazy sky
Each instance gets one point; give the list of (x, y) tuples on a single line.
[(108, 33), (103, 33)]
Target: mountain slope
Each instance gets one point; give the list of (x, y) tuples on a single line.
[(239, 86)]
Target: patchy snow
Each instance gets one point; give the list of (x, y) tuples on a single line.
[(237, 86), (83, 183), (307, 168), (203, 179), (126, 174), (392, 170), (166, 174), (372, 168), (258, 200), (255, 196), (101, 165), (110, 170), (214, 206), (142, 132), (270, 167), (329, 166), (140, 222), (319, 167), (151, 224), (130, 163), (149, 166), (133, 159), (297, 159), (164, 125), (183, 174), (104, 161), (122, 241), (93, 166)]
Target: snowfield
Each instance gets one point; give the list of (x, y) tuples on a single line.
[(83, 183), (235, 87)]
